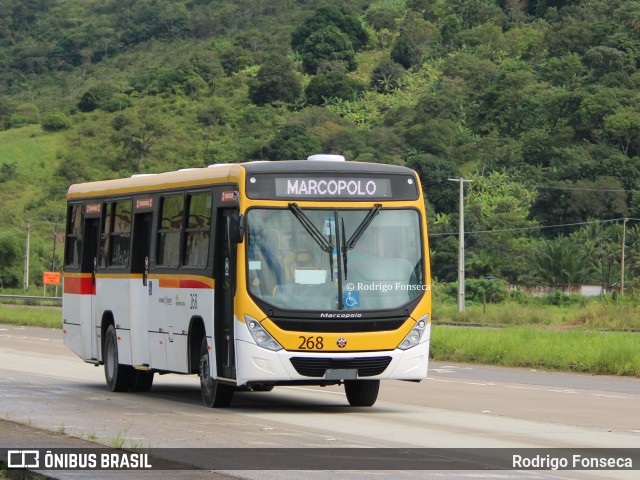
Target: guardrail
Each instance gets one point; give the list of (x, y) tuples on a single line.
[(31, 300)]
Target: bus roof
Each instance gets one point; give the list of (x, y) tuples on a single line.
[(221, 173)]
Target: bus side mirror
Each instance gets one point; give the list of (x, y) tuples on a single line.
[(236, 228)]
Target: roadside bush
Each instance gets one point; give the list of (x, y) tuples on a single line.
[(561, 299), (480, 290)]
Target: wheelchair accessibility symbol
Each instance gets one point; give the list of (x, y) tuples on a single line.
[(351, 299)]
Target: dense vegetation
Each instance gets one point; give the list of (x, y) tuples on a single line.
[(535, 101)]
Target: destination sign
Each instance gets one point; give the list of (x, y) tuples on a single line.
[(358, 186), (320, 187)]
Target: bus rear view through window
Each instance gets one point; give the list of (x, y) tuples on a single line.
[(251, 276)]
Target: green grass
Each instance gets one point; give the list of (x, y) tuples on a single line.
[(576, 350), (601, 313), (31, 149), (50, 317), (33, 152)]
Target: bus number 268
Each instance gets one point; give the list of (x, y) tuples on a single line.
[(311, 343)]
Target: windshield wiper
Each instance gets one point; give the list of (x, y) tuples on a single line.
[(362, 227), (344, 251), (311, 229)]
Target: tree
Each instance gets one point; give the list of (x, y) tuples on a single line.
[(291, 143), (335, 16), (139, 130), (602, 60), (554, 205), (434, 172), (624, 126), (95, 97), (560, 262), (499, 206), (601, 246), (55, 121), (386, 76), (418, 39), (568, 70), (332, 85), (235, 58), (327, 45), (570, 35), (602, 198), (383, 16), (275, 82), (598, 103), (512, 104), (439, 137), (11, 254)]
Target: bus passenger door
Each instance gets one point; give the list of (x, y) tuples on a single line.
[(89, 266), (225, 270), (140, 289)]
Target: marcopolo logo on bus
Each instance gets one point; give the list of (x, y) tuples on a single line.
[(333, 187)]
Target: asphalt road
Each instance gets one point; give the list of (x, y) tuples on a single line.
[(44, 385)]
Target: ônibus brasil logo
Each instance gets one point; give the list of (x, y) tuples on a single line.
[(341, 342)]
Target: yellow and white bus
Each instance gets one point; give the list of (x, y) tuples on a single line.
[(308, 272)]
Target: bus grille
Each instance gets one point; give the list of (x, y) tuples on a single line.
[(339, 326), (316, 367)]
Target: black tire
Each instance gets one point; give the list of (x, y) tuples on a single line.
[(119, 377), (214, 394), (362, 393), (142, 381)]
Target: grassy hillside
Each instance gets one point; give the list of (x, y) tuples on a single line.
[(33, 153), (536, 102)]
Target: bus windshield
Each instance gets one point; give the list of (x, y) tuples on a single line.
[(334, 259)]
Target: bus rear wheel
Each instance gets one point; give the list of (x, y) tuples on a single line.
[(362, 393), (118, 376), (214, 394), (141, 381)]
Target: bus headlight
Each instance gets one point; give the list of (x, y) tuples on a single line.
[(415, 335), (260, 335)]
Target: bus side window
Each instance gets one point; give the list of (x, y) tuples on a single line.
[(169, 231), (74, 235), (197, 232), (105, 236), (121, 234)]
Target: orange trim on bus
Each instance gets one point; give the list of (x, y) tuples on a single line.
[(185, 283)]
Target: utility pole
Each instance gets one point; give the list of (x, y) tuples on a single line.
[(461, 244), (624, 233), (26, 260)]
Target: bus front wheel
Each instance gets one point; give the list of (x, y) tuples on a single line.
[(362, 393), (214, 394)]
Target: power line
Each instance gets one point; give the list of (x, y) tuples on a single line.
[(439, 182), (579, 189), (537, 227)]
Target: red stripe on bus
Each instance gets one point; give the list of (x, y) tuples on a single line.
[(79, 285), (193, 284)]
